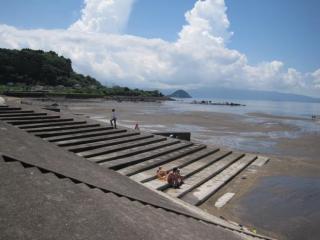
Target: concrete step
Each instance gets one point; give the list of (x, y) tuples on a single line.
[(155, 162), (25, 122), (190, 169), (96, 145), (62, 128), (132, 151), (120, 147), (125, 162), (150, 174), (70, 132), (7, 108), (12, 118), (207, 189), (22, 115), (76, 142), (7, 112), (260, 161), (204, 175), (84, 135), (4, 106), (36, 126)]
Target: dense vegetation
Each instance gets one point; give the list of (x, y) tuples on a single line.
[(26, 70)]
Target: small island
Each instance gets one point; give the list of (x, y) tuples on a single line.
[(180, 94)]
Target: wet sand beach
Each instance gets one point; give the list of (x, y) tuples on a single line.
[(282, 198)]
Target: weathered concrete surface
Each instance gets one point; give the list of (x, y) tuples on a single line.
[(127, 151), (41, 206), (24, 146)]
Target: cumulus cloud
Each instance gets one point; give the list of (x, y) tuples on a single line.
[(198, 58), (316, 78), (105, 16)]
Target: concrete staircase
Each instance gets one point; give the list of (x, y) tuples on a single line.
[(134, 154)]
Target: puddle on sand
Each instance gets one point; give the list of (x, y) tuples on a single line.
[(287, 206), (238, 143)]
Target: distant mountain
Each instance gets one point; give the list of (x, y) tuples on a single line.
[(242, 94), (180, 94)]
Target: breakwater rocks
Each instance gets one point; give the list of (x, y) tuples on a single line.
[(204, 102)]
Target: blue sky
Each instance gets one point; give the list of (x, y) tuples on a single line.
[(286, 30), (272, 39)]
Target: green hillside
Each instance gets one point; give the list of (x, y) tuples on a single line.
[(26, 69)]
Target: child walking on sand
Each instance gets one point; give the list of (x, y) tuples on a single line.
[(113, 120)]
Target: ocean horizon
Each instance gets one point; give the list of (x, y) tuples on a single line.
[(281, 108)]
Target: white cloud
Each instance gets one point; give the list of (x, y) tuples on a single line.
[(199, 58), (316, 78), (104, 16)]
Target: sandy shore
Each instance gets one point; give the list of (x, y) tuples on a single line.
[(291, 142), (279, 136)]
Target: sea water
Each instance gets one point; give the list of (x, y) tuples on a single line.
[(293, 109), (285, 205), (295, 114)]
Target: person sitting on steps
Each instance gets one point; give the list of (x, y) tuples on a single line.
[(161, 174), (174, 178)]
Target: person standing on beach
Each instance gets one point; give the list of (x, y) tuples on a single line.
[(113, 120)]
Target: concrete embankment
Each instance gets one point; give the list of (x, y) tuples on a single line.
[(132, 153)]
